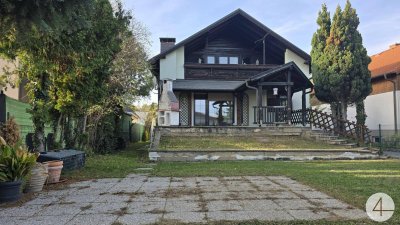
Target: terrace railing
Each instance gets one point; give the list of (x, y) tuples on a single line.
[(316, 118), (329, 123)]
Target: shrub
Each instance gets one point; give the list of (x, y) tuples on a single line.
[(15, 161), (10, 131)]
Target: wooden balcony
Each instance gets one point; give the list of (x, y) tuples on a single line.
[(224, 71)]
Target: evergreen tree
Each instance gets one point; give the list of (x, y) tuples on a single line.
[(339, 61)]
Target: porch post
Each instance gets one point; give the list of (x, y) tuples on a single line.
[(259, 105), (289, 97), (303, 106)]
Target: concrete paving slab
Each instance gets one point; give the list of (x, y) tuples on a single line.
[(139, 219), (306, 214), (138, 199), (43, 220), (185, 217), (92, 219)]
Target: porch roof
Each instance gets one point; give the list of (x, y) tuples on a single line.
[(206, 85), (299, 78)]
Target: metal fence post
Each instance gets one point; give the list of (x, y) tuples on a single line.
[(380, 140)]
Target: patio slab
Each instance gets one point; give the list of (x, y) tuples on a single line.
[(138, 199)]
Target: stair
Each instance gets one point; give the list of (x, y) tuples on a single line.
[(331, 139)]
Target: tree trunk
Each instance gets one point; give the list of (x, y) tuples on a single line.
[(335, 111), (361, 117), (39, 139)]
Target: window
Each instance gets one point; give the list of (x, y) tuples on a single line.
[(223, 60), (210, 59), (233, 60)]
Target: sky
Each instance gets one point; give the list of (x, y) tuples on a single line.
[(294, 20)]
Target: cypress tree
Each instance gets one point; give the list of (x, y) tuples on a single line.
[(340, 61)]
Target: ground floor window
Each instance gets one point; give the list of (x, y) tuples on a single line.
[(213, 109)]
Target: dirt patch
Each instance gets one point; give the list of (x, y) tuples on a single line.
[(157, 211), (25, 198), (83, 208), (179, 192), (122, 211), (130, 194), (83, 187), (117, 223)]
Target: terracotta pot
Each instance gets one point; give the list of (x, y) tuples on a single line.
[(54, 174), (54, 163), (10, 191), (37, 179)]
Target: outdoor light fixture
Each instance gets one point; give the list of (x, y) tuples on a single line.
[(275, 91)]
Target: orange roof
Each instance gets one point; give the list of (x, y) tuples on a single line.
[(386, 62)]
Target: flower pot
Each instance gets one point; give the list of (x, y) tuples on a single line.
[(54, 174), (37, 179), (54, 163), (10, 191)]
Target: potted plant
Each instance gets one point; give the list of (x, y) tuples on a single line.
[(15, 163)]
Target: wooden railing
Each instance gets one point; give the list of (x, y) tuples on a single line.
[(328, 123), (270, 114)]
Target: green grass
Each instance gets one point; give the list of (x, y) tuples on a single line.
[(241, 143), (116, 165), (351, 181)]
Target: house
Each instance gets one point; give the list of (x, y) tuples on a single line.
[(234, 72), (380, 107)]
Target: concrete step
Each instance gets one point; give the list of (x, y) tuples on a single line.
[(327, 138), (350, 145), (337, 142)]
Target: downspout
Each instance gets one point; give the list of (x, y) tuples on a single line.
[(254, 88), (394, 100)]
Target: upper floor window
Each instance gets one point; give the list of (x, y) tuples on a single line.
[(233, 60), (210, 59), (223, 60)]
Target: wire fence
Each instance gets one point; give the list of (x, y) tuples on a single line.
[(387, 138)]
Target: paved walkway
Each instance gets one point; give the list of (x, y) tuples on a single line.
[(138, 199)]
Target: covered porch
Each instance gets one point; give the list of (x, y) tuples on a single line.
[(267, 98)]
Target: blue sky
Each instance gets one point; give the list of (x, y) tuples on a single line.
[(292, 19)]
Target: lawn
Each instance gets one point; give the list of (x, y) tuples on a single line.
[(242, 143), (350, 181), (118, 164)]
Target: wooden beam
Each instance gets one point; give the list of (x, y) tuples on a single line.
[(289, 97), (276, 83), (303, 107), (259, 104)]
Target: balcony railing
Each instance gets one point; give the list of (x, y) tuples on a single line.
[(270, 114), (224, 71)]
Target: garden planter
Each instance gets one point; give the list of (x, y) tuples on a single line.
[(54, 169), (10, 191), (37, 179)]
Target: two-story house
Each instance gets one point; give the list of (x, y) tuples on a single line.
[(235, 72)]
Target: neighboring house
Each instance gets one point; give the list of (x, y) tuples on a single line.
[(379, 107), (235, 72), (16, 91), (385, 69)]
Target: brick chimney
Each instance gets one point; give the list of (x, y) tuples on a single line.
[(166, 43)]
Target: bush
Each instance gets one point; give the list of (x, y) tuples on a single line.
[(10, 131)]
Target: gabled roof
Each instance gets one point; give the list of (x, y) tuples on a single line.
[(268, 31), (385, 62), (290, 65)]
